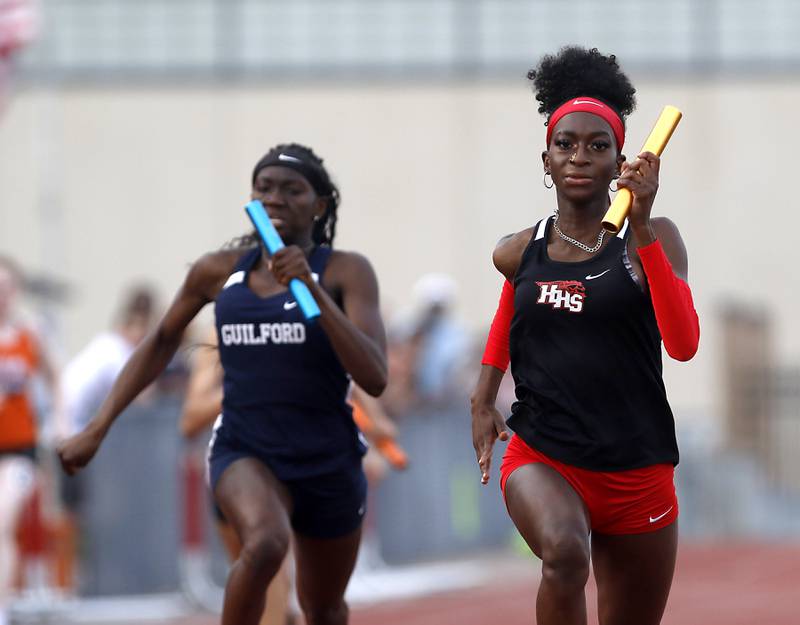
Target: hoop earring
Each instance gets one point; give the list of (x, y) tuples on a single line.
[(609, 185), (544, 181)]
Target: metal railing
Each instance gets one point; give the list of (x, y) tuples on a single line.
[(238, 40)]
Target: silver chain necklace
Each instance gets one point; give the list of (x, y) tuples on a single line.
[(577, 243)]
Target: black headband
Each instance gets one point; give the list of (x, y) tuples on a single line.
[(310, 171)]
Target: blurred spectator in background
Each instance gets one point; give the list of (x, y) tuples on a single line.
[(441, 341), (428, 349), (400, 394), (21, 359), (89, 375), (86, 381)]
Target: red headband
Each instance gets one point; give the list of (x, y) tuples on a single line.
[(589, 105)]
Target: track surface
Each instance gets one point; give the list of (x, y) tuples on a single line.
[(739, 584), (720, 584)]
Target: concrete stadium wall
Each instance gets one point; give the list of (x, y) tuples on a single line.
[(102, 187)]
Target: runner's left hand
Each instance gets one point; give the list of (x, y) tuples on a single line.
[(640, 177)]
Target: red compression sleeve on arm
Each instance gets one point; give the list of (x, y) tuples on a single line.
[(496, 352), (672, 302)]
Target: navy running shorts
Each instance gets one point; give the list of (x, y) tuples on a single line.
[(329, 505)]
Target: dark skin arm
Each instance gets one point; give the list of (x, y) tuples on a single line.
[(204, 392), (487, 423), (508, 252), (203, 282), (381, 424), (356, 330)]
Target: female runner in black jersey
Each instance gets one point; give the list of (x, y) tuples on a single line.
[(594, 448), (285, 456)]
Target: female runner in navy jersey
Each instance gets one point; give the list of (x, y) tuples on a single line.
[(584, 314), (286, 455)]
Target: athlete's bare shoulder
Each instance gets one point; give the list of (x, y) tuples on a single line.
[(508, 252), (346, 266), (348, 258)]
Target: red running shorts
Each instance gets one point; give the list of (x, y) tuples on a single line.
[(619, 502)]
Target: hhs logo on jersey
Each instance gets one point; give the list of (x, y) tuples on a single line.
[(562, 295)]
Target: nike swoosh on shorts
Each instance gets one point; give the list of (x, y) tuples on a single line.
[(661, 516)]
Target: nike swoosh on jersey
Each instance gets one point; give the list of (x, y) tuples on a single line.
[(661, 516), (602, 273), (288, 305), (234, 278)]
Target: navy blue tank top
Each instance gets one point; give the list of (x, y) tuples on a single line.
[(285, 389), (586, 361)]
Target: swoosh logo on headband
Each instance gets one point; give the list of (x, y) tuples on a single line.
[(286, 157), (576, 101)]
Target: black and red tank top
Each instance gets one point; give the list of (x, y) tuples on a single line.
[(586, 360)]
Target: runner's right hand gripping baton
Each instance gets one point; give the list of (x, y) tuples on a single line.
[(273, 243), (656, 142)]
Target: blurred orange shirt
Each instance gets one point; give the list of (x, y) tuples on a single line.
[(19, 359)]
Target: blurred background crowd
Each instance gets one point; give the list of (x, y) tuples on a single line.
[(128, 130)]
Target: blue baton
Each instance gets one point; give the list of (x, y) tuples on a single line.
[(272, 241)]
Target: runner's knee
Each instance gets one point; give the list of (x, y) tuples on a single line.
[(565, 560), (264, 551), (324, 614)]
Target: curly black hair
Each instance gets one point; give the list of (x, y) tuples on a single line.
[(576, 71), (324, 229)]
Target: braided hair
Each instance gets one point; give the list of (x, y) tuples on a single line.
[(575, 71)]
